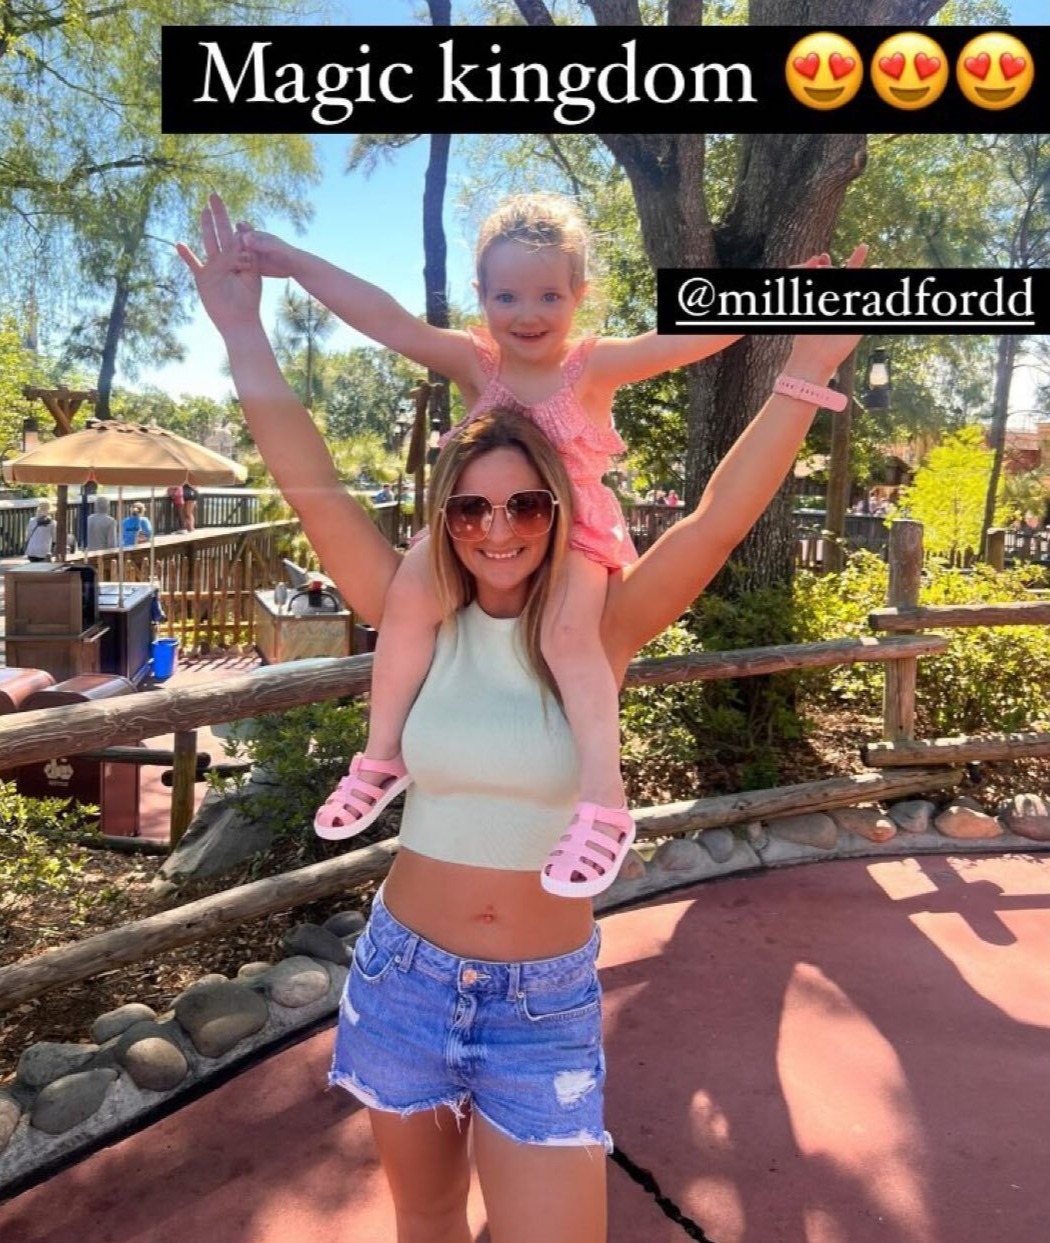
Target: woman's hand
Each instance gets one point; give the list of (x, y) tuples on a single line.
[(817, 358), (229, 282), (273, 257)]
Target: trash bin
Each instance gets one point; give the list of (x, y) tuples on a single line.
[(114, 787), (165, 654)]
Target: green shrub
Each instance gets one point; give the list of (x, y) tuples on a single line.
[(736, 722), (30, 862), (989, 679), (304, 751)]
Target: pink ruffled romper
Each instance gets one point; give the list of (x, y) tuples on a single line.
[(598, 529)]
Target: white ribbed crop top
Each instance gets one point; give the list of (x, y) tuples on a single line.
[(493, 762)]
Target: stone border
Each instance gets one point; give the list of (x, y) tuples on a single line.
[(70, 1099)]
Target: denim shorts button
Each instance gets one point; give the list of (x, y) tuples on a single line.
[(469, 975)]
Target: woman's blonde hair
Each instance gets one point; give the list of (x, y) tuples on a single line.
[(541, 221), (500, 429)]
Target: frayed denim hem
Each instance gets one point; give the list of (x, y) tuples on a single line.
[(350, 1083), (582, 1139)]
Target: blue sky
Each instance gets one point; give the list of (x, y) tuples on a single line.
[(372, 226)]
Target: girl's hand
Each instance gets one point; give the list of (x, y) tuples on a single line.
[(817, 358), (228, 281), (273, 257)]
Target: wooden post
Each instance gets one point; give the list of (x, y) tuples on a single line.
[(838, 472), (995, 541), (905, 557), (184, 776)]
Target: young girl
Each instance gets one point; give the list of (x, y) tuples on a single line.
[(531, 263)]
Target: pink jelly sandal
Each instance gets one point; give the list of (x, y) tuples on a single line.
[(584, 850), (344, 813)]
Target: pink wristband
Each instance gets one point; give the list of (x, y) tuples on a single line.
[(789, 386)]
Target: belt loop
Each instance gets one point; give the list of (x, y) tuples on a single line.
[(514, 981), (407, 953)]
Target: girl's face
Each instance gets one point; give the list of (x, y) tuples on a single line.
[(502, 563), (529, 301)]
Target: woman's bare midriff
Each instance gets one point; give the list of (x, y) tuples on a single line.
[(484, 913)]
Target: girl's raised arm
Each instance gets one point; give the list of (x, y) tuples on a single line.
[(365, 307), (350, 547), (655, 591)]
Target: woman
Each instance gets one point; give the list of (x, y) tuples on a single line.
[(473, 992)]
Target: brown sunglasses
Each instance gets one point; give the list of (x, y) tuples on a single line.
[(529, 514)]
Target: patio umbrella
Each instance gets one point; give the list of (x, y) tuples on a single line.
[(109, 452)]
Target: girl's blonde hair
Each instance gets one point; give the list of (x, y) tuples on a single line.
[(541, 221), (500, 429)]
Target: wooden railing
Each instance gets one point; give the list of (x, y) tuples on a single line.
[(207, 580)]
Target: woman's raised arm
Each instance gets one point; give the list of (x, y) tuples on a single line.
[(655, 591), (350, 547)]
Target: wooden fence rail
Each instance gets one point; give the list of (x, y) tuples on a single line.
[(207, 580)]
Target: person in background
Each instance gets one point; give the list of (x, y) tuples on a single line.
[(40, 536), (672, 499), (101, 527), (136, 527), (189, 507), (177, 496)]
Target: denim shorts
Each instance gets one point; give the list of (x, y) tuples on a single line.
[(520, 1043)]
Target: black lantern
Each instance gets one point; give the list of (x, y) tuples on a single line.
[(879, 387)]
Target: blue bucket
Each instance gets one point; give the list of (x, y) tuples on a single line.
[(165, 653)]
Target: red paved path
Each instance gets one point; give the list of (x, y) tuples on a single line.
[(854, 1052)]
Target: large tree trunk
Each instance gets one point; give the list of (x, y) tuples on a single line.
[(1004, 370), (788, 194), (114, 329)]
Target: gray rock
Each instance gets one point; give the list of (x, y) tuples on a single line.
[(961, 820), (1027, 815), (116, 1022), (48, 1060), (219, 838), (344, 923), (756, 834), (866, 822), (218, 1016), (315, 942), (633, 866), (294, 982), (68, 1101), (156, 1063), (679, 854), (213, 977), (812, 829), (719, 844), (912, 815), (251, 969), (10, 1112), (138, 1051)]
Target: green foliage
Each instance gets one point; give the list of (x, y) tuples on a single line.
[(363, 390), (18, 366), (305, 751), (948, 494), (990, 678), (734, 723), (31, 863)]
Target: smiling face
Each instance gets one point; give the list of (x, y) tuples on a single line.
[(995, 71), (502, 563), (824, 71), (528, 300), (909, 71)]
